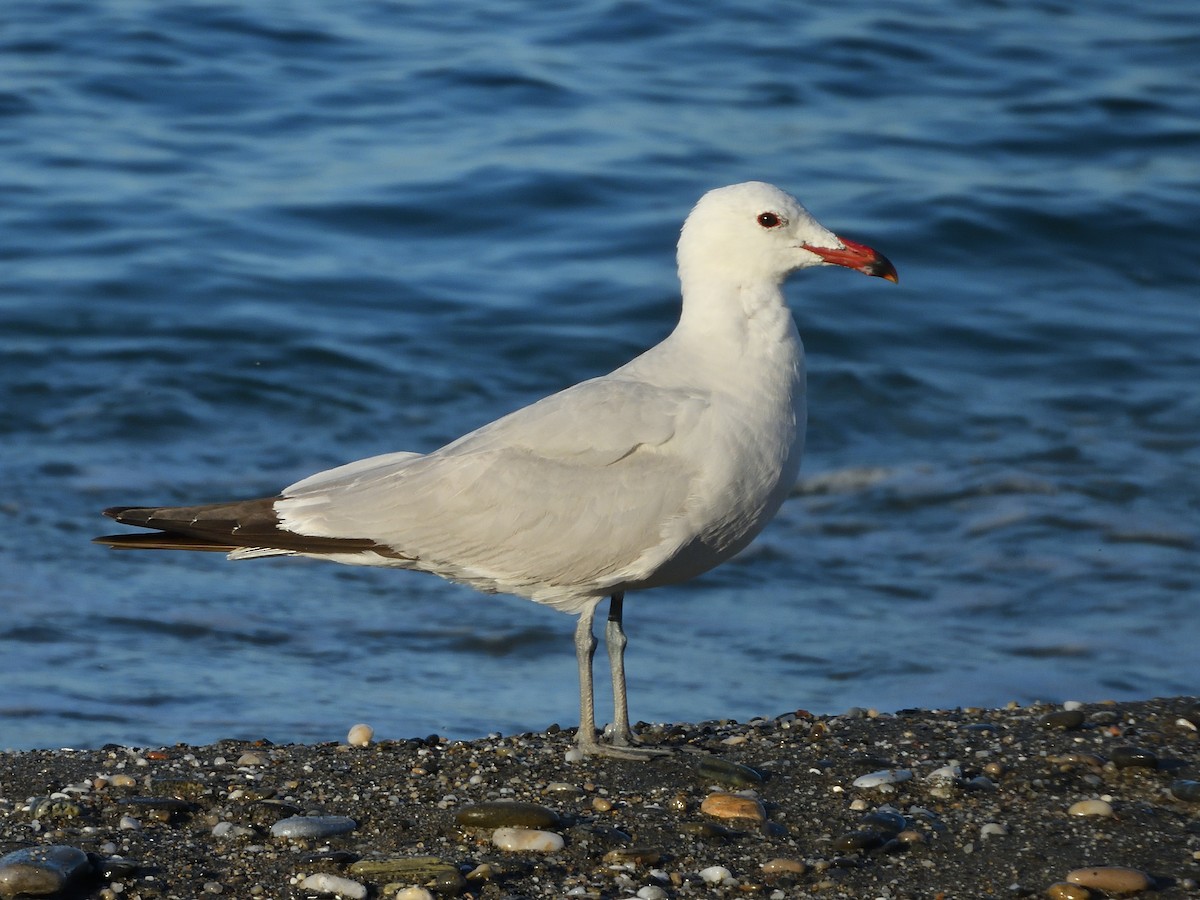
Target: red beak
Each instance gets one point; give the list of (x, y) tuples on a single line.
[(859, 257)]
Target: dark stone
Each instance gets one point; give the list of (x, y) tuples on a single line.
[(1133, 758), (1068, 719)]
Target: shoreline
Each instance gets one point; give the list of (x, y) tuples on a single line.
[(1021, 797)]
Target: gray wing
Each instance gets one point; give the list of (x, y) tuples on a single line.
[(584, 489)]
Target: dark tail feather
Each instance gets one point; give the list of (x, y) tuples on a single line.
[(222, 527)]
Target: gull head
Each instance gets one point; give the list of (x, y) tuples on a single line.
[(755, 233)]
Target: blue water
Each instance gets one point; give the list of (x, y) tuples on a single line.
[(243, 242)]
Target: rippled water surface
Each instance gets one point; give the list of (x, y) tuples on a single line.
[(244, 242)]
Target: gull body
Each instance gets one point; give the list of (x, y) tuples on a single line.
[(647, 476)]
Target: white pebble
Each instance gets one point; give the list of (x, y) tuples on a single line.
[(716, 875), (324, 883), (360, 735), (945, 773), (129, 823), (413, 893), (882, 777), (574, 755), (993, 829), (518, 839), (652, 892), (1072, 704)]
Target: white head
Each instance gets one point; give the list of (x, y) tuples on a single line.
[(754, 233)]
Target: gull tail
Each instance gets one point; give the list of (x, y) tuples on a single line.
[(247, 528)]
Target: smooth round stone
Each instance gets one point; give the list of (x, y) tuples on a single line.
[(1067, 719), (1090, 808), (1133, 758), (730, 774), (993, 829), (1184, 789), (857, 840), (641, 856), (360, 735), (527, 840), (413, 893), (884, 820), (715, 875), (945, 774), (302, 828), (883, 777), (39, 871), (733, 806), (1114, 879), (1064, 890), (250, 758), (499, 813), (430, 871), (324, 883), (783, 866), (652, 892)]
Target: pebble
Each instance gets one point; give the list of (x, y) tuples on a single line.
[(300, 828), (527, 839), (730, 774), (733, 806), (993, 829), (413, 893), (781, 865), (499, 813), (1090, 808), (1184, 789), (857, 840), (652, 892), (715, 875), (883, 777), (1067, 719), (1064, 890), (945, 773), (38, 871), (641, 856), (431, 871), (360, 735), (1114, 879), (1133, 758), (324, 883)]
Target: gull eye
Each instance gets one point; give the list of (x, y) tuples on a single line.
[(770, 220)]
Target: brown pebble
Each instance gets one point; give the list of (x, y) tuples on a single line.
[(733, 806), (911, 836), (781, 866), (1064, 890), (642, 856), (678, 803), (995, 770), (1114, 879), (500, 813), (602, 804)]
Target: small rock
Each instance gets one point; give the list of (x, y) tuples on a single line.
[(882, 778), (733, 806), (641, 856), (360, 735), (652, 892), (945, 774), (38, 871), (1064, 890), (1133, 758), (430, 871), (498, 813), (1186, 790), (781, 865), (301, 828), (1090, 808), (250, 758), (715, 875), (1067, 719), (413, 893), (856, 841), (1114, 879), (886, 820), (993, 829), (324, 883), (730, 774), (527, 839)]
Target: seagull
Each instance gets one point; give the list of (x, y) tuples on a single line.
[(648, 476)]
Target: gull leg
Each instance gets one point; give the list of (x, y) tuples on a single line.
[(615, 641), (585, 649)]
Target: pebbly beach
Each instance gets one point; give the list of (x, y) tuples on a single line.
[(1071, 802)]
